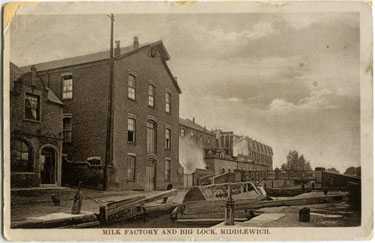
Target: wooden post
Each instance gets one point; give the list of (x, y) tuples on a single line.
[(229, 209), (103, 215), (109, 114)]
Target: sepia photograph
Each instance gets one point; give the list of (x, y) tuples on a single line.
[(182, 121)]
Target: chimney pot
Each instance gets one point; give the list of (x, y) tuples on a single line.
[(117, 49), (193, 119), (136, 43)]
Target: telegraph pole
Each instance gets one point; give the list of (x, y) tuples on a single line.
[(109, 114)]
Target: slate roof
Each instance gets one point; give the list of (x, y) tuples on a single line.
[(193, 125), (103, 55), (16, 73)]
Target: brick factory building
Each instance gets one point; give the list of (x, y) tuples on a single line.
[(246, 149), (145, 119), (36, 124), (201, 136), (219, 152)]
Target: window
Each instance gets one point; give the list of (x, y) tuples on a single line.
[(168, 102), (200, 139), (182, 132), (167, 170), (208, 140), (191, 135), (131, 130), (151, 137), (131, 86), (131, 168), (67, 92), (21, 156), (32, 107), (168, 138), (67, 128), (151, 95)]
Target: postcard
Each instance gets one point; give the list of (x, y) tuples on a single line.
[(179, 121)]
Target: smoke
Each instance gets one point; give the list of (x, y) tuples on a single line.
[(191, 155), (240, 146)]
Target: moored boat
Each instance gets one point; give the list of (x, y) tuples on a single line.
[(209, 202)]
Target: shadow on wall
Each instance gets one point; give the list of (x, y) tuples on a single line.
[(191, 155)]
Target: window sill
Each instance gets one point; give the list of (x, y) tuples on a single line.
[(31, 120), (23, 173), (132, 143), (130, 180), (134, 100)]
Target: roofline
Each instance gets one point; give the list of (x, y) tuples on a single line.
[(208, 132), (167, 57)]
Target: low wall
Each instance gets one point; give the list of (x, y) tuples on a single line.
[(89, 176), (335, 180)]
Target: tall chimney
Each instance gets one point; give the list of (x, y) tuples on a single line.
[(117, 49), (33, 76), (193, 119), (136, 43)]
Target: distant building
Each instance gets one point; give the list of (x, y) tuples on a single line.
[(201, 136), (247, 149), (145, 120), (228, 152), (36, 124)]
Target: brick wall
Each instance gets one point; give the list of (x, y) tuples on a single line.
[(46, 132), (88, 107), (147, 71)]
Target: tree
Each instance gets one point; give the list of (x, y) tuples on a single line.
[(354, 171), (333, 170), (296, 162)]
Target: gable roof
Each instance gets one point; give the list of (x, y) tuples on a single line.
[(103, 55), (16, 73)]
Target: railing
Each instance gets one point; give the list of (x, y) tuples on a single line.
[(278, 175)]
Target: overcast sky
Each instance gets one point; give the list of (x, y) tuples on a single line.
[(288, 80)]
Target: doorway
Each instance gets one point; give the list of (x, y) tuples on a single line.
[(48, 166), (150, 175)]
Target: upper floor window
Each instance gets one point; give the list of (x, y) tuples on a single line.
[(21, 156), (208, 140), (151, 137), (67, 128), (191, 135), (131, 130), (131, 168), (168, 102), (151, 95), (32, 107), (67, 84), (131, 86), (200, 139), (182, 132), (167, 138)]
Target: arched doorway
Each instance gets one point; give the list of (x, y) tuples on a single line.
[(48, 166)]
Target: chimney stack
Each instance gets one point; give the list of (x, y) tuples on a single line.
[(33, 76), (117, 49), (193, 119), (136, 43)]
